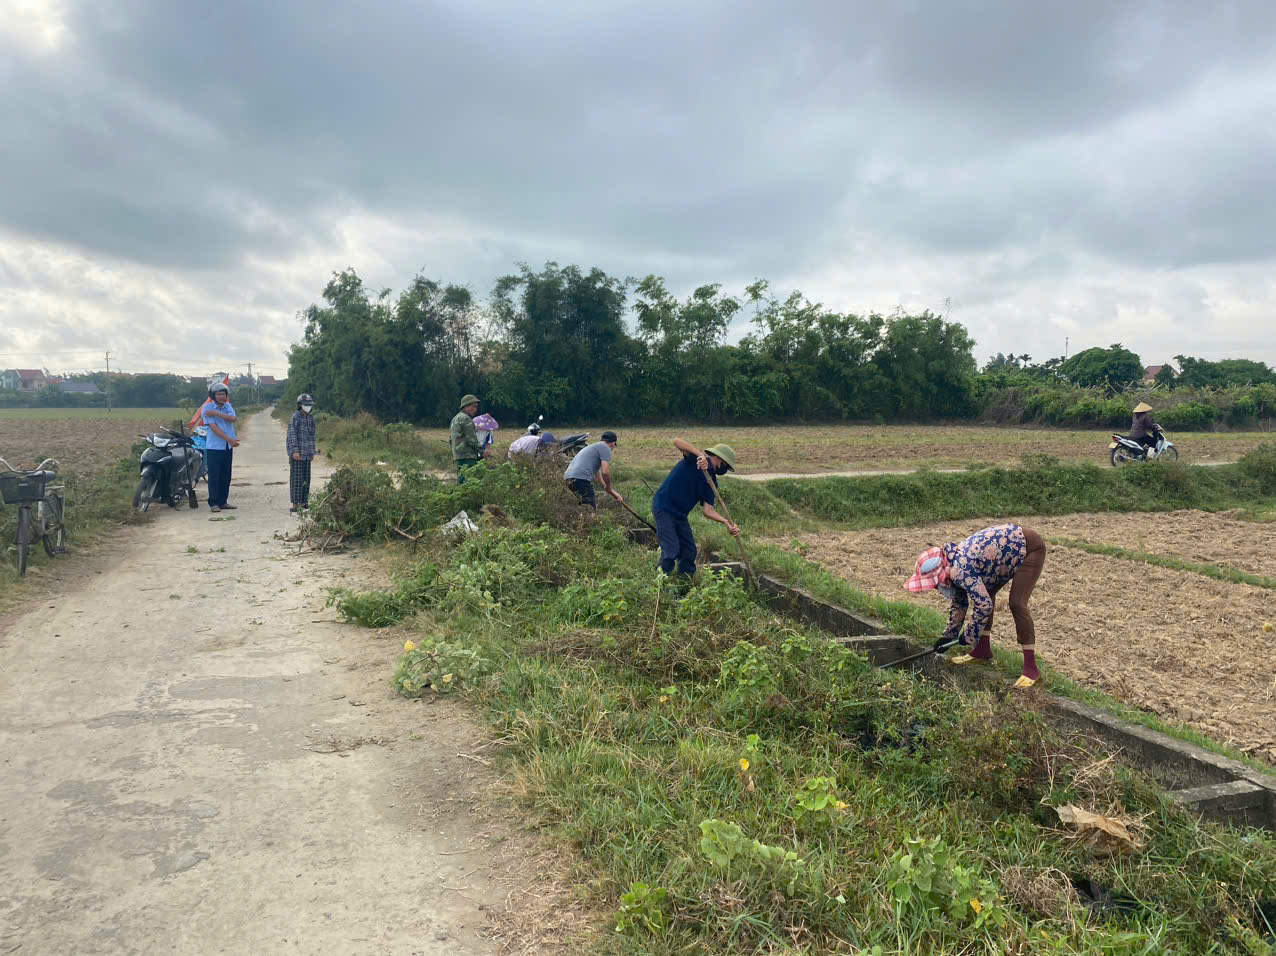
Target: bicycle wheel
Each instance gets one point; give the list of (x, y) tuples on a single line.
[(24, 537), (51, 521)]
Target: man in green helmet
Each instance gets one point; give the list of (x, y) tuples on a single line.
[(466, 447), (692, 482)]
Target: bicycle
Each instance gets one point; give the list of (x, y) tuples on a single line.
[(33, 491)]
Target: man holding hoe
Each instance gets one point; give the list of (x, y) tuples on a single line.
[(592, 461), (463, 437), (692, 481), (970, 573)]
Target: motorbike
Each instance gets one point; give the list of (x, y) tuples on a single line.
[(1123, 450), (168, 470), (569, 447)]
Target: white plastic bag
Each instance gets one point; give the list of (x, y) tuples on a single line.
[(460, 525)]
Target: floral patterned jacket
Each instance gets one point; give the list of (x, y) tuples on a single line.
[(980, 566)]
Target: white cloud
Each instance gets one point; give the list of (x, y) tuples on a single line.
[(187, 181)]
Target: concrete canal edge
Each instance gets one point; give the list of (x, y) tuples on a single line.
[(1213, 786)]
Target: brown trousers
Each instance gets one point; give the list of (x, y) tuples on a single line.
[(1021, 586)]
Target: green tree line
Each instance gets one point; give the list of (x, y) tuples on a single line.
[(583, 345)]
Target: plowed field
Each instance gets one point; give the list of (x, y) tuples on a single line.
[(82, 441), (812, 449)]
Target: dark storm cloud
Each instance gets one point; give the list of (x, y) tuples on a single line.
[(672, 137)]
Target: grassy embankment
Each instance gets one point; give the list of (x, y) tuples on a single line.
[(784, 507), (733, 782)]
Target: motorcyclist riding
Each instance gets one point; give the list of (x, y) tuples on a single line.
[(1143, 429)]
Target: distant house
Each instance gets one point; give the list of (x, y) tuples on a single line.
[(1152, 371), (23, 379), (80, 388), (266, 380)]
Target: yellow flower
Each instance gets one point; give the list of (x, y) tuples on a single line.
[(976, 905), (409, 645), (1267, 627), (664, 698), (840, 805), (744, 764), (447, 678)]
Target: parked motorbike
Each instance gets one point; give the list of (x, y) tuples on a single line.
[(1124, 450), (168, 471), (569, 447)]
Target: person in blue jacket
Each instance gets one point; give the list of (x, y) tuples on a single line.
[(692, 482)]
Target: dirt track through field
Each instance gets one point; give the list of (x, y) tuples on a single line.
[(197, 758), (1184, 646)]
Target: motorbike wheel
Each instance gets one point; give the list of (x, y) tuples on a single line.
[(144, 493), (51, 519), (1120, 456), (24, 539), (1170, 454), (191, 499)]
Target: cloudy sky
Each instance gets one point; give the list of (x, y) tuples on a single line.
[(180, 177)]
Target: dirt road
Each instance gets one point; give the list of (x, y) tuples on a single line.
[(192, 765)]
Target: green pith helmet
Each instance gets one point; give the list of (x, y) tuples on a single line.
[(725, 452), (469, 400)]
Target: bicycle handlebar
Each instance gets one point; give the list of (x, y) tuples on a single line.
[(44, 465)]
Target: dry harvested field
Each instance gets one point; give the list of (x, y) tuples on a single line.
[(811, 449), (1204, 537), (1183, 646), (83, 440)]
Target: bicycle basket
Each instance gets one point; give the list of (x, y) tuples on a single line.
[(19, 489)]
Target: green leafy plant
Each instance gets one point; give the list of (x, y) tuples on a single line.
[(642, 908), (725, 845), (440, 666), (925, 878), (817, 798), (716, 593), (745, 669)]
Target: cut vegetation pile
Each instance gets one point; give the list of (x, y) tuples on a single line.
[(733, 782)]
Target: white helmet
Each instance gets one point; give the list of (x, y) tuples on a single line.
[(533, 429)]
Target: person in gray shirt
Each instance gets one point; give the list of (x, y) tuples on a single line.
[(593, 460)]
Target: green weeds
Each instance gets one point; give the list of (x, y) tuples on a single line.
[(738, 783)]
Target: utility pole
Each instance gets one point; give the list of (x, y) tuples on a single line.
[(252, 383), (108, 380)]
